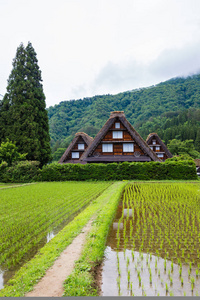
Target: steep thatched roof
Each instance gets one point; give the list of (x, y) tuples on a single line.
[(119, 115), (197, 162), (153, 135), (87, 139)]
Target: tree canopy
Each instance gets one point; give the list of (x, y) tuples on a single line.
[(23, 115), (170, 108)]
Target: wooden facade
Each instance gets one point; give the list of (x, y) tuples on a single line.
[(157, 145), (76, 149), (118, 141)]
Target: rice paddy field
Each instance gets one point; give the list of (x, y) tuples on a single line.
[(154, 244), (31, 215)]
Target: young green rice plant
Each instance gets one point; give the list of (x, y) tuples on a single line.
[(197, 272), (169, 273), (171, 280), (127, 261), (172, 266), (132, 254), (166, 288), (190, 266), (182, 281), (131, 288), (139, 278), (129, 276), (118, 285), (165, 265)]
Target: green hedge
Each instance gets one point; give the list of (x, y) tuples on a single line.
[(181, 170), (28, 171), (22, 171)]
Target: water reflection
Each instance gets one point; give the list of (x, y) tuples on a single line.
[(140, 267)]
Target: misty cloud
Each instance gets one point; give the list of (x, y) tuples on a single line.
[(129, 75)]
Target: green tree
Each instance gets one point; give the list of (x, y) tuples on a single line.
[(176, 147), (25, 119), (197, 141), (9, 153), (58, 153)]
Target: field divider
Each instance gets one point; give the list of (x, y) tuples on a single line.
[(82, 281), (25, 279)]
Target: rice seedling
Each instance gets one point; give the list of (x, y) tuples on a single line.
[(29, 213), (166, 288), (129, 276), (165, 222)]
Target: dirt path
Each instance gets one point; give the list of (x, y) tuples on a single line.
[(51, 285)]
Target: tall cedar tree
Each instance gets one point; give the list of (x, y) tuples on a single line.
[(23, 117)]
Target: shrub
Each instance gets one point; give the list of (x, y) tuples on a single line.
[(22, 171), (181, 170)]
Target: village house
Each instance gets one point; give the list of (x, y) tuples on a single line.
[(76, 148), (117, 141), (157, 145)]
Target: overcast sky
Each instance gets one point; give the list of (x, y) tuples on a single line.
[(93, 47)]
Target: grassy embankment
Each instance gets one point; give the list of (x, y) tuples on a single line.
[(105, 205)]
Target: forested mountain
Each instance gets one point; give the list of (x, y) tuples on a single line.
[(170, 108)]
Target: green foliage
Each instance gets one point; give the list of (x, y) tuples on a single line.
[(23, 117), (20, 171), (182, 170), (58, 153), (9, 153), (170, 108), (177, 147)]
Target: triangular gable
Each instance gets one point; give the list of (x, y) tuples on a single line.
[(85, 137), (119, 116), (155, 136)]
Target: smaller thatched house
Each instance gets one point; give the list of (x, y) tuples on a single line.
[(197, 163), (76, 149), (157, 145)]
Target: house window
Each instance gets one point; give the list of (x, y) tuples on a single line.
[(160, 155), (75, 154), (117, 134), (81, 146), (128, 147), (157, 148), (154, 142), (107, 147), (117, 125)]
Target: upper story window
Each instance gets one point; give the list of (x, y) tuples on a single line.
[(129, 147), (107, 147), (75, 154), (81, 146), (117, 134), (154, 142), (157, 148), (160, 155), (117, 125)]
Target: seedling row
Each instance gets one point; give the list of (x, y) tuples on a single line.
[(29, 213), (156, 240)]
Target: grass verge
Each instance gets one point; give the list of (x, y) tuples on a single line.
[(25, 279), (81, 282)]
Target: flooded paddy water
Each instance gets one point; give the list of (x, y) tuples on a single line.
[(153, 248)]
